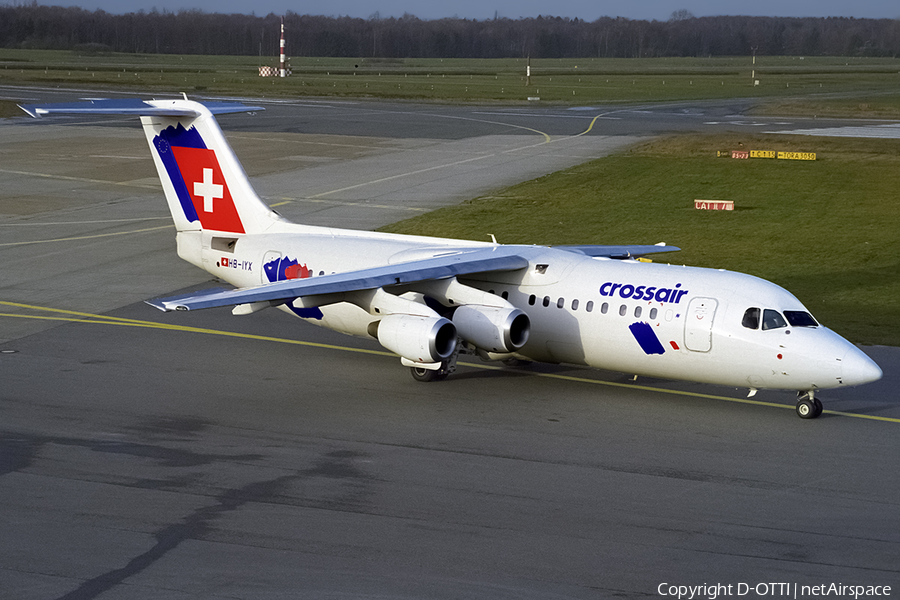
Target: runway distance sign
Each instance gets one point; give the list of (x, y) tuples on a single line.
[(797, 155), (714, 204), (765, 154)]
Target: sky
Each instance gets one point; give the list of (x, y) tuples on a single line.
[(589, 10)]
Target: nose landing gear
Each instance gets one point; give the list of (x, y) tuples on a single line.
[(808, 406)]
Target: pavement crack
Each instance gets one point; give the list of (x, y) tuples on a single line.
[(194, 526)]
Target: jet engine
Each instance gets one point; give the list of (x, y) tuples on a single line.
[(491, 328), (420, 339)]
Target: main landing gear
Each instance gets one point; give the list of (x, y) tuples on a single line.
[(425, 375), (808, 406)]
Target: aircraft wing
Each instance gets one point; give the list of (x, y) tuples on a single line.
[(478, 260), (627, 251)]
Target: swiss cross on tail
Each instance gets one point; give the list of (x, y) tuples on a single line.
[(206, 185)]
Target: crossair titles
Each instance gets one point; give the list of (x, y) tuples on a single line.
[(643, 292)]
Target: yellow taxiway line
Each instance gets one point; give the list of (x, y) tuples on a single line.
[(90, 318), (87, 237)]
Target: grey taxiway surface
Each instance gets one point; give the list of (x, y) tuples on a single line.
[(258, 457)]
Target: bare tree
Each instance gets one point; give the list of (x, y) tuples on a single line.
[(30, 25)]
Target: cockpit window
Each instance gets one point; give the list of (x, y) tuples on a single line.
[(799, 318), (751, 318), (772, 319)]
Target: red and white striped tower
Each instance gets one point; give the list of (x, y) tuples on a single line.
[(282, 71)]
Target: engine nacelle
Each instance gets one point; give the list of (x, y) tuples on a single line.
[(420, 339), (492, 329)]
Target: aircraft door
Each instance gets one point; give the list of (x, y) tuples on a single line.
[(269, 266), (698, 324)]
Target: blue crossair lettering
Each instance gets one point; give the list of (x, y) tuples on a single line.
[(643, 292)]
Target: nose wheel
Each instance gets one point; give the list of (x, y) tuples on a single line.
[(808, 406)]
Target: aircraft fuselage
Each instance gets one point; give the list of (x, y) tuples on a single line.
[(648, 319)]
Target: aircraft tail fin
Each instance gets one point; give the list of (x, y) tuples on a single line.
[(205, 185)]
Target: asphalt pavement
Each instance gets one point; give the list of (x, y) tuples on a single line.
[(202, 455)]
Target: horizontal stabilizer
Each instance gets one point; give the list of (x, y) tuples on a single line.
[(481, 260), (133, 106), (627, 251)]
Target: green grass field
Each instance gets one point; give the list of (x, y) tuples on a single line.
[(568, 81), (828, 230)]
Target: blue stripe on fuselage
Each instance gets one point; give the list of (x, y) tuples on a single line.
[(646, 337)]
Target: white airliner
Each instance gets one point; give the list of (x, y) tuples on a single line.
[(427, 299)]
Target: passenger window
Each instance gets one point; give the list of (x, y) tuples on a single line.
[(560, 303), (575, 304), (751, 318), (604, 308), (799, 318), (637, 312), (772, 319), (505, 295), (590, 306), (622, 310), (546, 301), (653, 313), (531, 300)]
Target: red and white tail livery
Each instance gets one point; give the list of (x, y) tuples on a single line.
[(205, 185)]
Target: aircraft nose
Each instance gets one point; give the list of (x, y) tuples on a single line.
[(857, 368)]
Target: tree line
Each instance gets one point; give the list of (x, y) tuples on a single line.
[(197, 32)]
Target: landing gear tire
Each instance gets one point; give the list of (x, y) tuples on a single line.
[(809, 408), (806, 409), (426, 375), (818, 407)]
